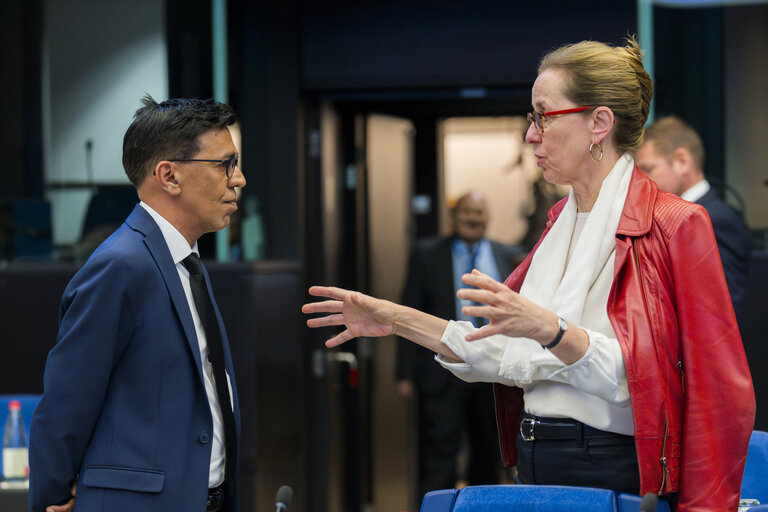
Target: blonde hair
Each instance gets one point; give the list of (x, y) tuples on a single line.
[(670, 133), (614, 77)]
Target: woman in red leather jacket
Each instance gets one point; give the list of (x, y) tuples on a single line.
[(614, 348)]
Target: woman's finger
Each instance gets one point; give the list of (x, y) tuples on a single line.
[(326, 306), (325, 321), (483, 332), (480, 280), (339, 339), (483, 311), (477, 295), (328, 291)]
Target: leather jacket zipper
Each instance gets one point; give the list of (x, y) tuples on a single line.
[(663, 458), (682, 375)]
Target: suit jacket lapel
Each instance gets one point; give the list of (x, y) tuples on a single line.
[(142, 222)]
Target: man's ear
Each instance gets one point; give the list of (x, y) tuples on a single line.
[(682, 163), (165, 176), (604, 121)]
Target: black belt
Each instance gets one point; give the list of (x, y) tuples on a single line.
[(215, 499), (537, 427)]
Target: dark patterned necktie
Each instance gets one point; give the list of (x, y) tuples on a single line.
[(207, 316)]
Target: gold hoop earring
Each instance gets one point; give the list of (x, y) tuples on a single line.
[(592, 154)]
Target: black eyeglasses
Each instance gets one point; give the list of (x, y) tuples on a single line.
[(229, 164), (537, 118)]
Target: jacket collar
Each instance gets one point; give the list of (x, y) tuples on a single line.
[(637, 215), (140, 220)]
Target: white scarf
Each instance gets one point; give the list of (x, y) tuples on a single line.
[(562, 290)]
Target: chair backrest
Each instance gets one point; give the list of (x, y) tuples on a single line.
[(534, 498), (439, 501), (631, 503), (754, 484)]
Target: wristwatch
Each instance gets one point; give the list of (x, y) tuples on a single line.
[(562, 327)]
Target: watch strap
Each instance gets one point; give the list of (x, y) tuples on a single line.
[(560, 333)]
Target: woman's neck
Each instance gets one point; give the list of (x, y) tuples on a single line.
[(586, 190)]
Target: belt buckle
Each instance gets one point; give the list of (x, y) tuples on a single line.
[(526, 429)]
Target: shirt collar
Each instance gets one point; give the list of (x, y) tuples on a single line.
[(176, 242), (462, 247), (696, 192)]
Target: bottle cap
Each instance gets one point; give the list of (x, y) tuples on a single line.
[(14, 405)]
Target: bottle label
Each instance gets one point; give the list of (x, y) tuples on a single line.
[(15, 463)]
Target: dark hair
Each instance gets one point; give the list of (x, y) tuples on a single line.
[(603, 75), (169, 130)]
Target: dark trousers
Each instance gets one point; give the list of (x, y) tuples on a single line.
[(443, 418), (591, 458)]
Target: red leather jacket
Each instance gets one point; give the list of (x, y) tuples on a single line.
[(689, 383)]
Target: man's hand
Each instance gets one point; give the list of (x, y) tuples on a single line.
[(404, 388), (68, 506)]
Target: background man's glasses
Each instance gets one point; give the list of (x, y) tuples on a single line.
[(229, 164), (537, 118)]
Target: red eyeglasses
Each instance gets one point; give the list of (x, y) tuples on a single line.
[(537, 118)]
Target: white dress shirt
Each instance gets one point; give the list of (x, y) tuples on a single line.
[(696, 192), (179, 248)]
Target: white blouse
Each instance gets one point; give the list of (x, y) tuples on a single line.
[(592, 390)]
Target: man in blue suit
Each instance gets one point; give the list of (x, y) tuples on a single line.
[(133, 416), (673, 156)]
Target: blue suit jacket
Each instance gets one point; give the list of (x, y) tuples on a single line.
[(734, 244), (124, 410)]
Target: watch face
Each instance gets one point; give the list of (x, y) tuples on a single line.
[(563, 325)]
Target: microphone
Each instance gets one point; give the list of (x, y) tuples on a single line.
[(283, 498), (649, 503)]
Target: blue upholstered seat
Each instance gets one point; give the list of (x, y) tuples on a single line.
[(521, 498), (631, 503), (546, 498), (439, 501), (755, 481)]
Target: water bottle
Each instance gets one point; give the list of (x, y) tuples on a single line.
[(15, 454)]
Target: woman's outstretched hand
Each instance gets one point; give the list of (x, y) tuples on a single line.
[(361, 314), (509, 313)]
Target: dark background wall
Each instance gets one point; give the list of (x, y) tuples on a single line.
[(690, 44), (20, 113)]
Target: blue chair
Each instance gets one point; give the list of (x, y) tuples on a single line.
[(28, 404), (439, 501), (631, 503), (522, 498), (754, 484)]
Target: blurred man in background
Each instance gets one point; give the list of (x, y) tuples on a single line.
[(673, 156), (449, 408)]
